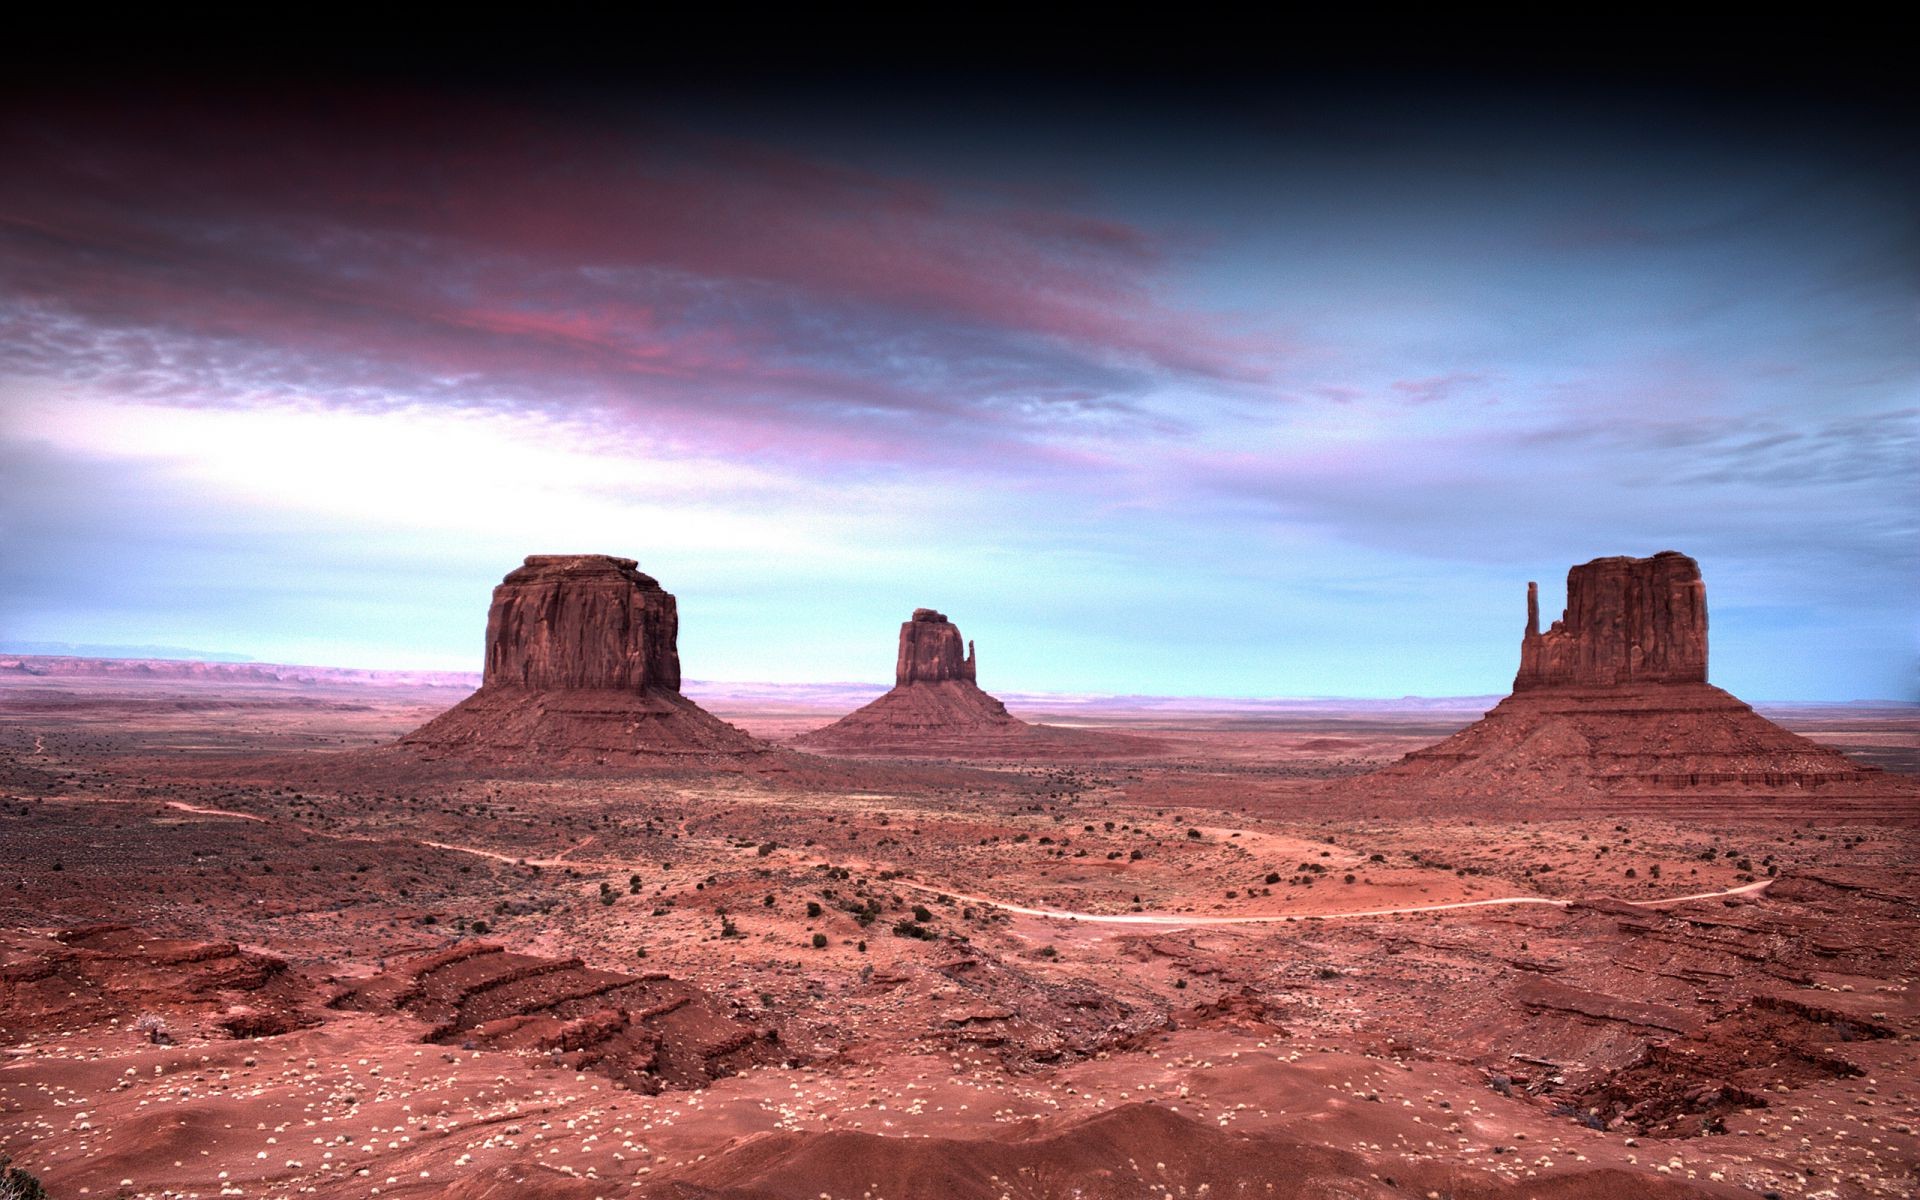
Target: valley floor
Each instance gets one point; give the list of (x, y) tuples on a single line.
[(246, 951)]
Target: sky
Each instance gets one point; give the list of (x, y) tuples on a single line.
[(1265, 384)]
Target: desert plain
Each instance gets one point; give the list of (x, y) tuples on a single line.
[(248, 947)]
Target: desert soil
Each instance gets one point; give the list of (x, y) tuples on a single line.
[(245, 951)]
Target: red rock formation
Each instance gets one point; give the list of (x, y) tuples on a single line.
[(1627, 620), (582, 621), (1613, 701), (582, 661), (99, 973), (937, 708), (647, 1032), (930, 650)]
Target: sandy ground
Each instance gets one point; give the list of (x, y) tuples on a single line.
[(342, 972)]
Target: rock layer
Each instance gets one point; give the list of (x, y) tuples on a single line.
[(178, 988), (1612, 701), (1636, 739), (1627, 620), (582, 661), (647, 1032)]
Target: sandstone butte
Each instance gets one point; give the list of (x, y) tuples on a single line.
[(582, 662), (1613, 699), (936, 708)]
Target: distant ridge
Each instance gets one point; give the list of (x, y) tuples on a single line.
[(188, 670), (836, 695), (101, 650)]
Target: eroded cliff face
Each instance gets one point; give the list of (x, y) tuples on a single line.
[(931, 650), (571, 621), (1627, 621)]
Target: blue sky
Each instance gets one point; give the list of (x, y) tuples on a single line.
[(1282, 392)]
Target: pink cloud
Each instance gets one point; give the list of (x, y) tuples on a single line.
[(646, 269)]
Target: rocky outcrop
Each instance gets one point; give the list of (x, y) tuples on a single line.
[(647, 1032), (1612, 702), (166, 989), (582, 661), (1627, 620), (937, 709), (930, 650)]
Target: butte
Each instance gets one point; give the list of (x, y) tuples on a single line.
[(1612, 701), (582, 665), (937, 709)]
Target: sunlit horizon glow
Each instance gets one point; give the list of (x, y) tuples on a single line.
[(1288, 397)]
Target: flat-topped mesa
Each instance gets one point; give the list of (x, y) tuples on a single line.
[(1627, 621), (582, 663), (930, 651), (569, 621)]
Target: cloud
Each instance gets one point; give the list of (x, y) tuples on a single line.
[(1436, 388), (731, 291)]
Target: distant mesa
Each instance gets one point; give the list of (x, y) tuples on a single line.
[(1613, 699), (582, 661), (937, 709)]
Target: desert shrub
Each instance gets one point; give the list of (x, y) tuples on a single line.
[(813, 908), (16, 1184), (819, 941)]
